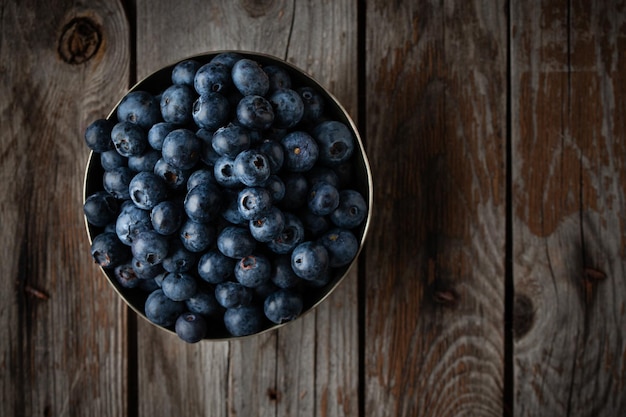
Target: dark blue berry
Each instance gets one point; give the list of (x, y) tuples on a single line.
[(161, 310), (144, 162), (176, 104), (253, 202), (342, 246), (157, 134), (150, 247), (283, 306), (224, 172), (126, 276), (351, 211), (147, 190), (249, 78), (255, 112), (278, 77), (197, 237), (296, 190), (213, 77), (200, 176), (236, 242), (301, 151), (98, 135), (131, 221), (166, 217), (288, 108), (231, 294), (251, 167), (227, 58), (112, 159), (290, 237), (129, 139), (108, 251), (203, 203), (309, 260), (244, 320), (268, 225), (184, 72), (313, 104), (179, 259), (323, 198), (175, 178), (282, 273), (116, 182), (181, 149), (214, 267), (335, 141), (231, 139), (140, 108), (210, 110), (179, 286), (100, 208), (253, 270), (191, 327), (144, 270), (204, 303), (275, 154)]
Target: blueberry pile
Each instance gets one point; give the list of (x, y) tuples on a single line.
[(225, 200)]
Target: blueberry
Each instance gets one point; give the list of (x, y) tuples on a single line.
[(200, 176), (309, 260), (100, 208), (161, 310), (131, 221), (313, 104), (335, 141), (244, 320), (301, 151), (214, 267), (212, 77), (342, 246), (253, 270), (149, 246), (179, 259), (227, 58), (175, 178), (176, 104), (275, 154), (147, 190), (290, 237), (288, 108), (296, 190), (125, 276), (140, 108), (282, 306), (231, 294), (351, 211), (112, 159), (98, 135), (230, 211), (203, 203), (116, 182), (323, 198), (191, 327), (179, 286), (278, 77), (197, 237), (166, 217), (229, 140), (129, 139), (184, 72), (282, 273), (251, 167), (108, 251), (268, 226), (324, 174), (204, 303), (249, 78), (144, 162), (253, 202), (255, 112), (314, 225), (144, 270), (210, 110), (276, 187), (181, 149), (157, 134), (224, 172), (208, 154), (235, 242)]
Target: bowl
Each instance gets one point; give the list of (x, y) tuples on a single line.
[(354, 175)]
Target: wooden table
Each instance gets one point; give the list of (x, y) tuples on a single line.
[(493, 282)]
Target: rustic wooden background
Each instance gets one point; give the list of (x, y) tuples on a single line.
[(493, 282)]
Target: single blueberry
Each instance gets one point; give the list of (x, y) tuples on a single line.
[(253, 270), (276, 187), (249, 78), (201, 176), (108, 251), (282, 273), (179, 286), (231, 139), (227, 58), (224, 172), (278, 77), (230, 294), (144, 162), (131, 221), (208, 154), (323, 198), (290, 237), (214, 267), (211, 110), (236, 242), (176, 104), (301, 151), (181, 149), (126, 276), (342, 246), (313, 104), (244, 320), (166, 217), (322, 173), (203, 203), (335, 141), (149, 246), (268, 225), (191, 327), (98, 135), (275, 154), (116, 182), (112, 159), (146, 189), (283, 306), (351, 211), (296, 190), (129, 139), (161, 310), (230, 211), (100, 208), (197, 237), (253, 202), (255, 112), (212, 77), (140, 108), (288, 108), (314, 225), (144, 270), (175, 178), (204, 303), (309, 260), (179, 259), (252, 167), (157, 134), (184, 72)]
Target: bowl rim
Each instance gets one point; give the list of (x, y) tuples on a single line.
[(362, 161)]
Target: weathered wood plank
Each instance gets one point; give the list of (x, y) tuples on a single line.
[(62, 327), (436, 135), (569, 203), (306, 368)]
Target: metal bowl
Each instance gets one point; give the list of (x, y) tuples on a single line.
[(161, 79)]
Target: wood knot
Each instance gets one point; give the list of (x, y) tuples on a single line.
[(80, 39), (523, 315), (257, 8)]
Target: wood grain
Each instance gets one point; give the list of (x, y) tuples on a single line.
[(436, 134), (569, 205), (62, 332), (306, 368)]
